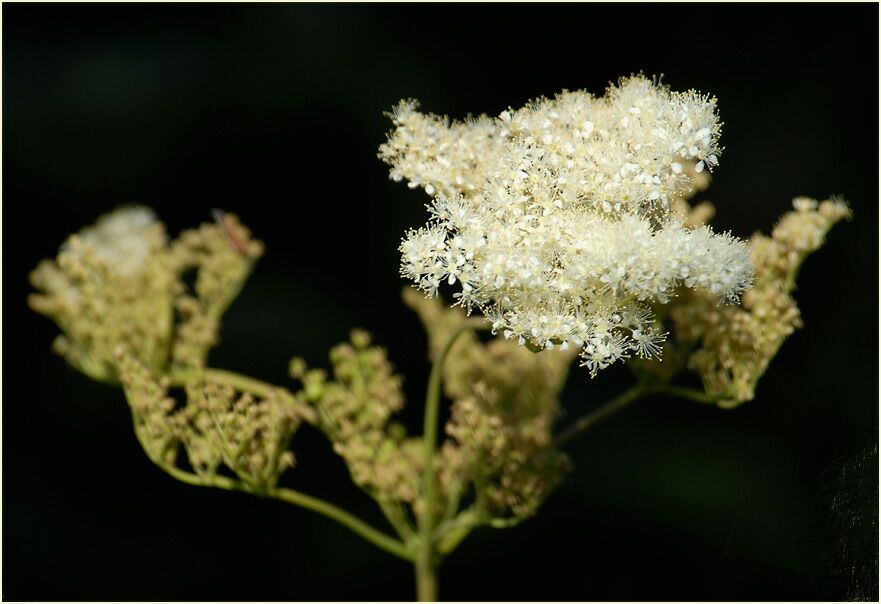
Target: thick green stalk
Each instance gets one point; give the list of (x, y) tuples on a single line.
[(427, 562), (426, 579)]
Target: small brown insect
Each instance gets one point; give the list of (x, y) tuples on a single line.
[(224, 221)]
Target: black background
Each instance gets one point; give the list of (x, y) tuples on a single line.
[(275, 112)]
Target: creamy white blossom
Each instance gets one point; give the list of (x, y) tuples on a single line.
[(555, 219), (122, 239)]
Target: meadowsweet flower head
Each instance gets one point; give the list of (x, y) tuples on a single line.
[(557, 220)]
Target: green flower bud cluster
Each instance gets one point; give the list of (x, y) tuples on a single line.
[(354, 411)]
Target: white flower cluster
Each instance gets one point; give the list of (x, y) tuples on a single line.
[(555, 218), (122, 239), (442, 157)]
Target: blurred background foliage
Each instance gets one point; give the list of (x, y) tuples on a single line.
[(275, 112)]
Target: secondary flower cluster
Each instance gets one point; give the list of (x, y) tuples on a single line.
[(111, 285), (218, 427), (354, 409), (730, 346), (120, 283), (505, 404), (556, 219)]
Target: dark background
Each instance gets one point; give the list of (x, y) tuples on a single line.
[(275, 112)]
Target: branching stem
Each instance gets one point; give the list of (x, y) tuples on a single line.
[(374, 536), (426, 548), (623, 400), (355, 524), (594, 417)]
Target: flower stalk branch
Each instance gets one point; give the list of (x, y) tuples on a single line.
[(426, 564), (309, 502), (623, 400), (609, 408)]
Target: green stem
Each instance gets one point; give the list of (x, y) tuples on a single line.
[(241, 382), (453, 532), (220, 482), (397, 517), (314, 504), (594, 417), (426, 564), (426, 580), (687, 393), (623, 400), (361, 528), (377, 538), (503, 523), (453, 499)]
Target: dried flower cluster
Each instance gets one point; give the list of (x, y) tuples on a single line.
[(121, 283), (111, 285), (354, 411), (505, 403), (222, 255), (218, 427), (734, 345), (556, 219)]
